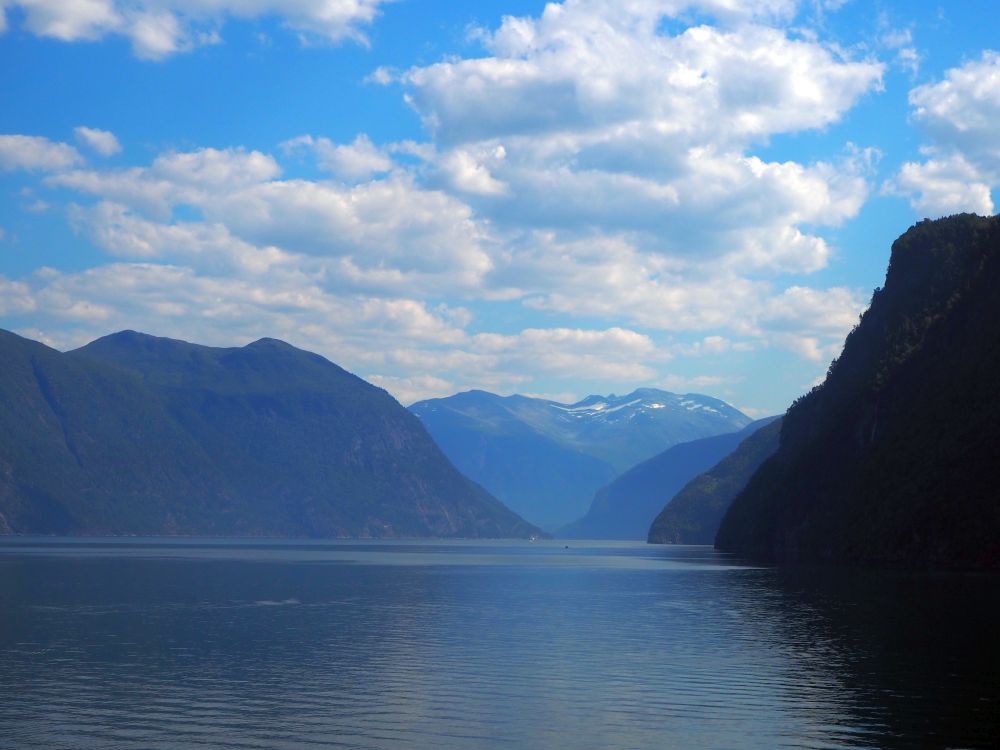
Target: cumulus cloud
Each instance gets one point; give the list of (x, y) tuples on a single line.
[(592, 177), (358, 160), (383, 234), (159, 28), (412, 349), (810, 322), (126, 234), (959, 113), (468, 173), (689, 383), (591, 117), (711, 346), (585, 65), (15, 298), (612, 354), (408, 390), (174, 178), (223, 308), (103, 142), (962, 111), (943, 186), (34, 153)]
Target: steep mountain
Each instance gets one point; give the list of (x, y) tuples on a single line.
[(693, 515), (134, 434), (625, 508), (545, 459), (895, 459)]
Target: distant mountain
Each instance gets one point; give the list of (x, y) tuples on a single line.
[(545, 459), (693, 515), (625, 508), (895, 459), (134, 434)]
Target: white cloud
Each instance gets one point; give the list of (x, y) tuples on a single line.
[(590, 118), (123, 233), (388, 232), (358, 160), (35, 153), (586, 65), (688, 384), (209, 167), (711, 346), (467, 174), (68, 20), (408, 390), (174, 178), (414, 350), (810, 322), (159, 28), (593, 179), (225, 307), (103, 142), (15, 298), (900, 41), (158, 34), (960, 114), (944, 186)]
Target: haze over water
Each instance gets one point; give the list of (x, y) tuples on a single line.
[(249, 644)]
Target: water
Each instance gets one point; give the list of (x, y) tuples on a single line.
[(160, 644)]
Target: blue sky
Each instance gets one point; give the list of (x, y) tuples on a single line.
[(584, 197)]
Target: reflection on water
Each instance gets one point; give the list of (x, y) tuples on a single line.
[(250, 644)]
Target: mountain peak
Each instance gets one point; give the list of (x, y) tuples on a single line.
[(270, 343)]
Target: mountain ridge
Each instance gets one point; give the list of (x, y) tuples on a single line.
[(694, 514), (625, 508), (137, 434), (546, 459)]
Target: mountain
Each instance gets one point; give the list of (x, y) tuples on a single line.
[(545, 459), (625, 508), (693, 515), (134, 434), (895, 459)]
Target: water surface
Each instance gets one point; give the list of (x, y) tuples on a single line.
[(159, 644)]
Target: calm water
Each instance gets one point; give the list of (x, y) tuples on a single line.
[(182, 644)]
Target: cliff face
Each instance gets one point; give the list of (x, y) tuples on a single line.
[(135, 434), (693, 515), (895, 459)]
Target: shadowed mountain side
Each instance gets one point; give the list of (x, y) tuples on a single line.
[(546, 460), (135, 434), (532, 474), (693, 515), (895, 459), (625, 508)]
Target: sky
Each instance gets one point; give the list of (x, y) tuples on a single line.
[(552, 199)]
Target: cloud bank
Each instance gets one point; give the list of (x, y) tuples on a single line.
[(590, 200)]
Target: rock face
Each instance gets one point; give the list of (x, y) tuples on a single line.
[(625, 508), (134, 434), (693, 515), (895, 459), (545, 459)]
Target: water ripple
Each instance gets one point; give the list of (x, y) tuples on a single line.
[(170, 644)]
